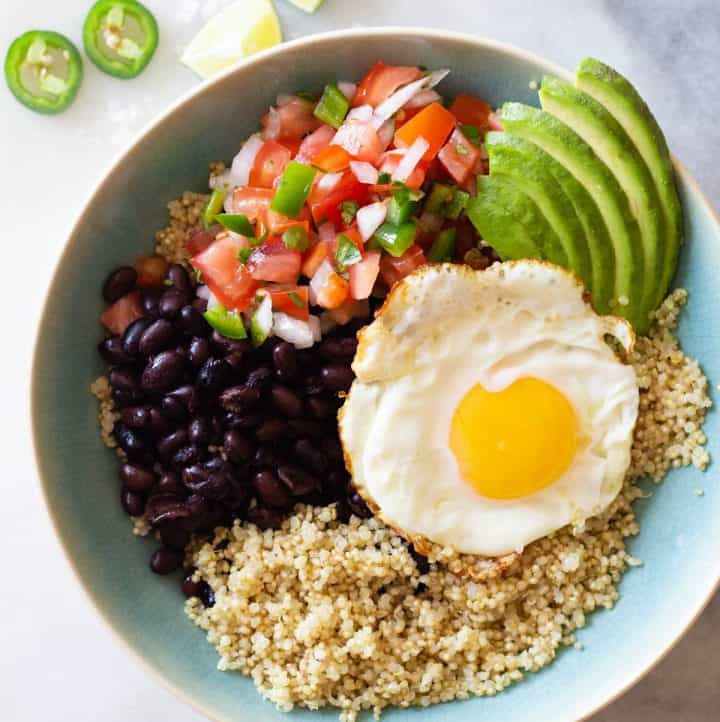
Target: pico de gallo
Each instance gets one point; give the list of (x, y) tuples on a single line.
[(337, 198)]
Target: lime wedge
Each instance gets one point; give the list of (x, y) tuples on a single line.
[(237, 31), (309, 6)]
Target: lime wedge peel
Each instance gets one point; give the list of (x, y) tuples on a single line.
[(309, 6), (241, 29)]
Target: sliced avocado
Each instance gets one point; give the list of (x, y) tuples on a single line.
[(599, 129), (500, 214), (623, 101), (513, 158), (563, 144)]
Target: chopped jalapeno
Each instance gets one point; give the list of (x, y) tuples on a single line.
[(348, 211), (293, 190), (347, 253), (443, 246), (332, 106), (457, 204), (237, 223), (296, 238), (447, 201), (402, 206), (214, 207), (226, 323), (43, 70), (396, 239), (120, 37)]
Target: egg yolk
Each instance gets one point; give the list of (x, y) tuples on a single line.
[(515, 442)]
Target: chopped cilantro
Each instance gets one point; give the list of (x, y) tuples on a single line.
[(296, 299), (348, 211), (244, 254), (384, 179), (347, 252)]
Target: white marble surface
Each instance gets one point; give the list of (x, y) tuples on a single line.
[(57, 661)]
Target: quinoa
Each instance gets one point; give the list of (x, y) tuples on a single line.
[(185, 217), (323, 613)]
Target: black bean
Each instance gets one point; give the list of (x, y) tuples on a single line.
[(242, 422), (313, 386), (237, 447), (164, 508), (285, 360), (207, 596), (271, 491), (172, 442), (159, 424), (136, 417), (124, 398), (321, 408), (207, 514), (239, 398), (225, 346), (200, 431), (212, 481), (129, 441), (132, 502), (187, 396), (137, 478), (163, 372), (169, 483), (174, 536), (123, 379), (306, 429), (214, 374), (308, 455), (217, 430), (149, 299), (265, 457), (187, 455), (165, 560), (198, 351), (118, 283), (179, 277), (286, 401), (336, 482), (421, 562), (265, 518), (343, 511), (132, 335), (171, 302), (337, 377), (271, 430), (260, 378), (191, 588), (193, 322), (173, 409), (296, 480), (338, 349), (158, 336), (333, 449), (358, 506), (199, 304), (112, 351)]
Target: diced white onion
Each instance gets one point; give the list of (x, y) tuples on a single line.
[(243, 162), (208, 295), (386, 133), (347, 89), (432, 221), (364, 172), (314, 323), (389, 107), (272, 129), (370, 218), (326, 232), (319, 279), (301, 334), (329, 181), (423, 98), (283, 99), (409, 161), (362, 112)]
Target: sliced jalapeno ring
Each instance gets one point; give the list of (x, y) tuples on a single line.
[(120, 37), (43, 70)]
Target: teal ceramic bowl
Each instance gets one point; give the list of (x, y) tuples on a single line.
[(679, 542)]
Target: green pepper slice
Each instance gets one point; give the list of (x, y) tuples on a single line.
[(396, 239), (332, 106), (226, 323), (443, 246), (293, 190), (120, 37), (44, 70)]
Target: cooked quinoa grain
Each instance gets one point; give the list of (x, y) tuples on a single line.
[(323, 613), (185, 217)]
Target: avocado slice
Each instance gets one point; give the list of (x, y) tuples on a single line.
[(599, 129), (622, 100), (566, 147), (502, 216), (514, 158)]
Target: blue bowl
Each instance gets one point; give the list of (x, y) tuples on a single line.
[(679, 542)]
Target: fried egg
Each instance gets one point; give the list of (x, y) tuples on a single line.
[(488, 409)]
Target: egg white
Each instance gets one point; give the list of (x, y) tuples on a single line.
[(447, 328)]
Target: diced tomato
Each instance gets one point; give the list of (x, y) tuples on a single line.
[(332, 159), (360, 139), (122, 313), (333, 292), (460, 157), (199, 241), (390, 161), (314, 258), (314, 143), (364, 274), (347, 310), (296, 119), (325, 206), (433, 123), (466, 237), (394, 269), (353, 234), (151, 270), (277, 224), (252, 202), (292, 300), (382, 81), (293, 145), (470, 110), (275, 263), (269, 164), (226, 277)]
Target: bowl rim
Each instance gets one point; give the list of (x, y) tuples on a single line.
[(124, 156)]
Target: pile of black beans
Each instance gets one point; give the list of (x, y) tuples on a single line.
[(215, 430)]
